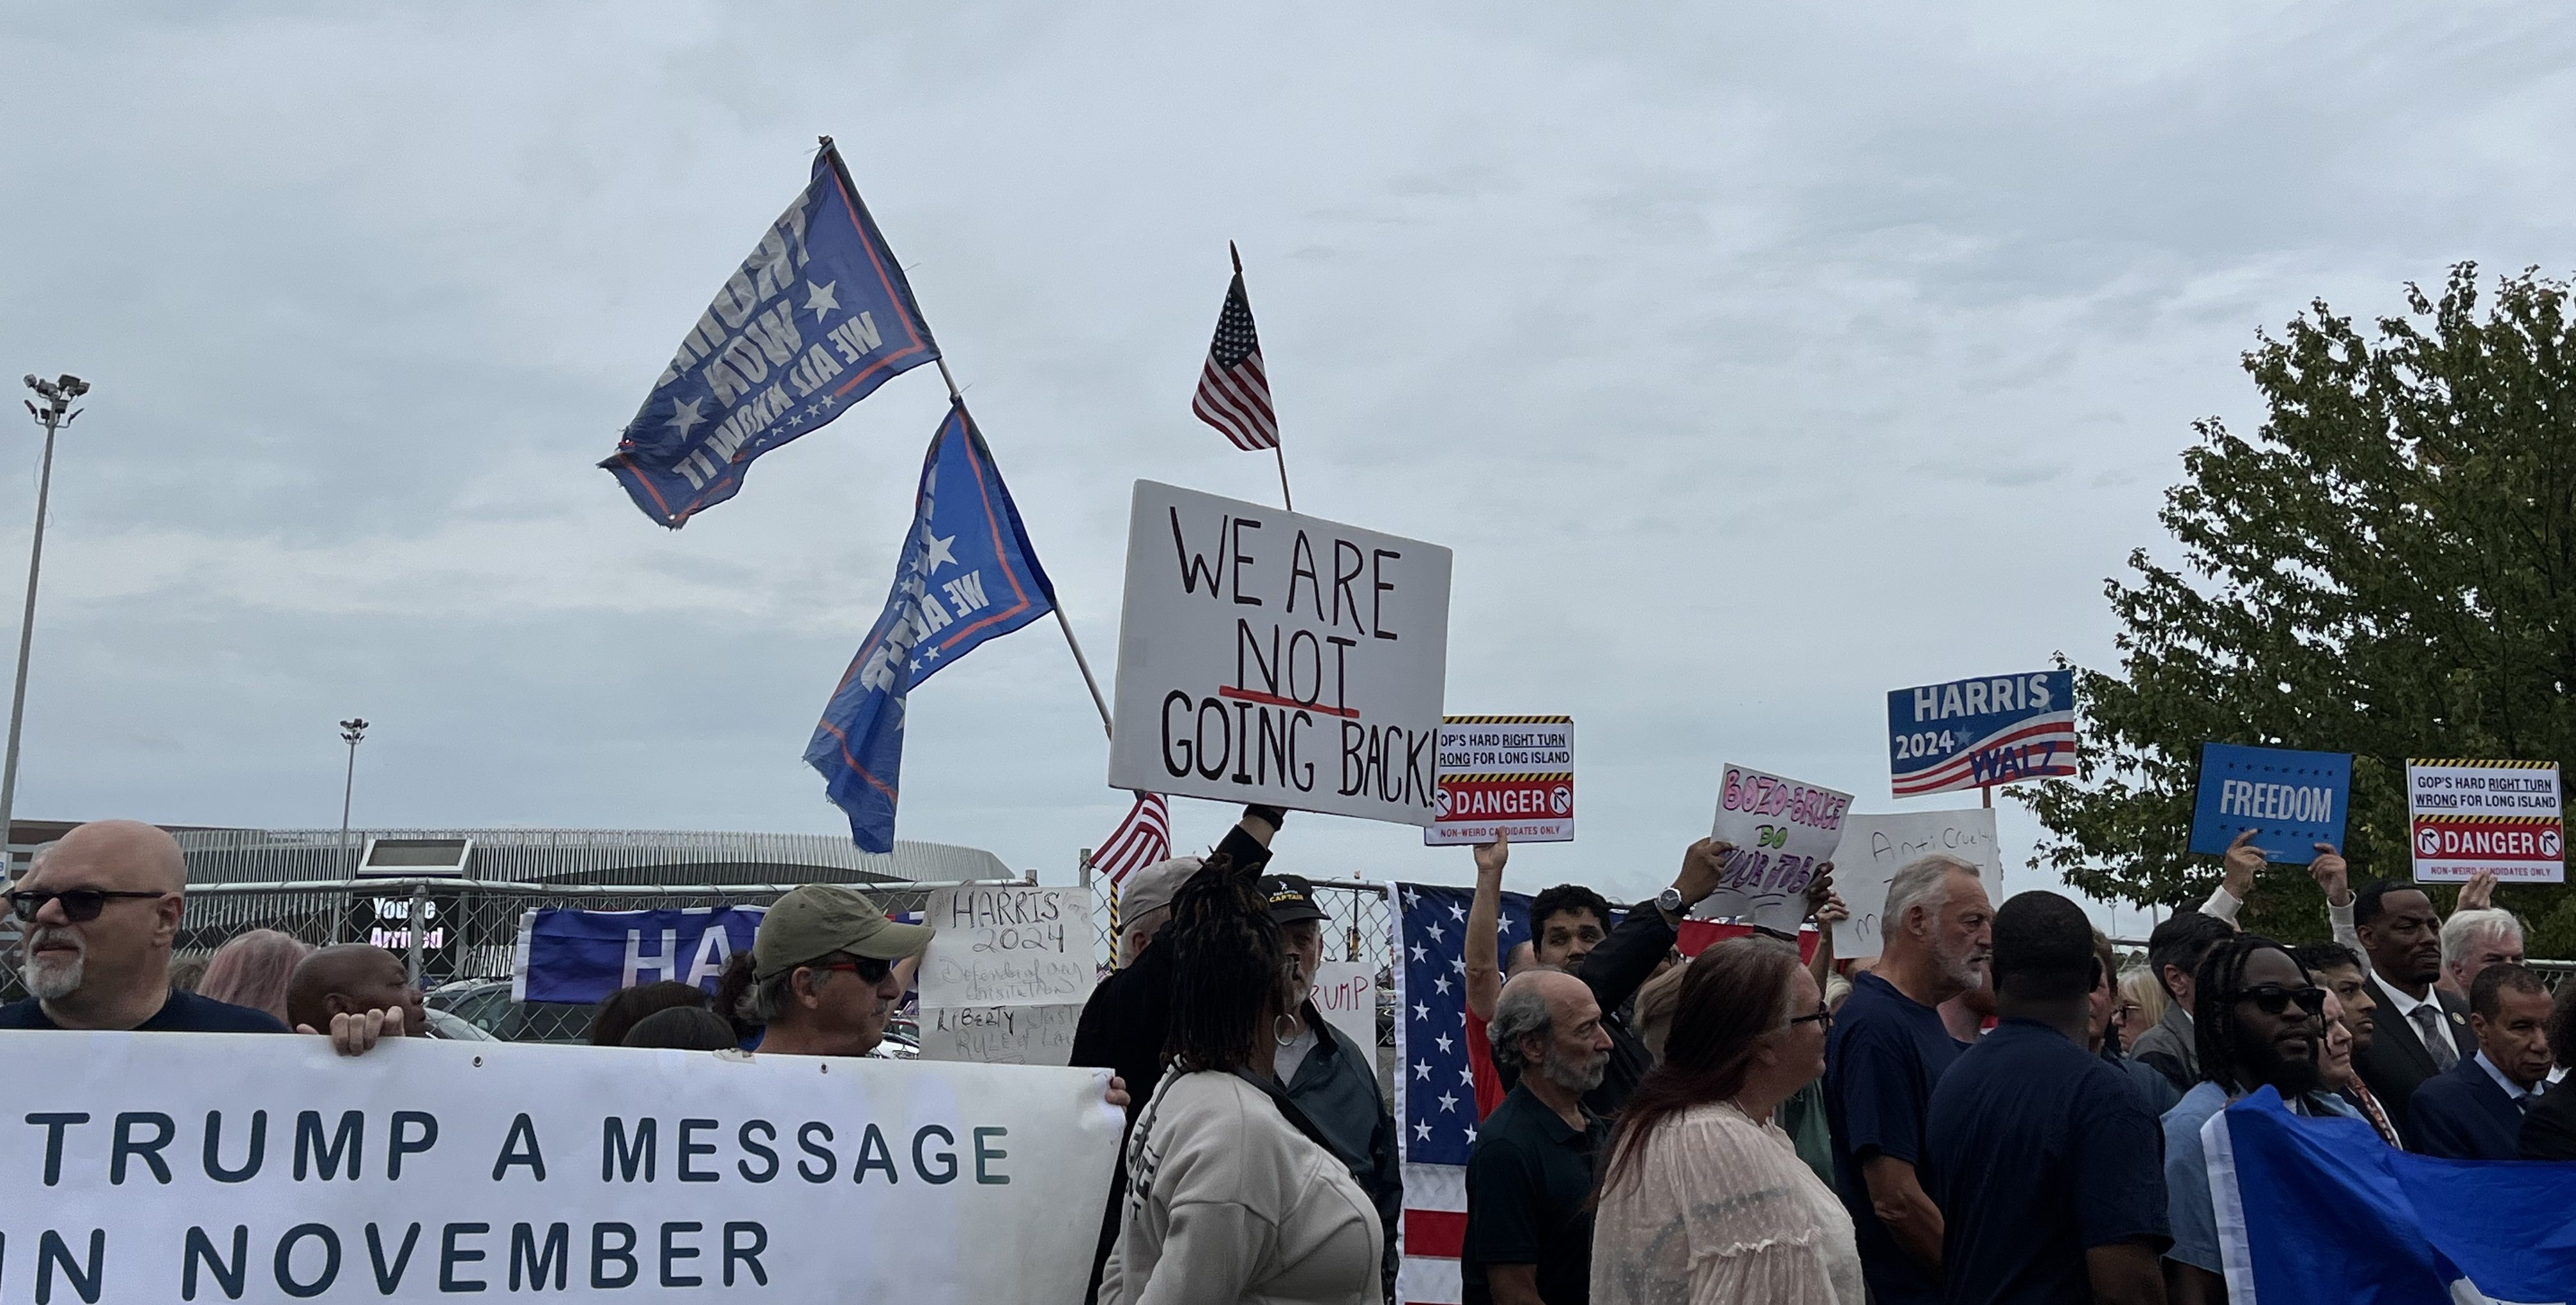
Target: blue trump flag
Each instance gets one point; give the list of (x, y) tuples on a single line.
[(815, 320), (966, 574), (582, 956), (2321, 1212)]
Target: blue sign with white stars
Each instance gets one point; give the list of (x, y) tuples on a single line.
[(2292, 800), (815, 320)]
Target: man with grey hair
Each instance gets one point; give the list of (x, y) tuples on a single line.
[(2475, 938), (1530, 1168), (1887, 1051)]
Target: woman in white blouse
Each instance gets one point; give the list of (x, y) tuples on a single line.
[(1703, 1200)]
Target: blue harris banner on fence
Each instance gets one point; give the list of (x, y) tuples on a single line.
[(815, 320), (966, 574), (2292, 800), (2321, 1212), (1996, 729), (582, 956)]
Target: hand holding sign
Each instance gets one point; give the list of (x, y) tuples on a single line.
[(2241, 861), (2332, 875), (1780, 832)]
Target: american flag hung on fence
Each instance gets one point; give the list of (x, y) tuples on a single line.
[(1234, 394), (1435, 1092)]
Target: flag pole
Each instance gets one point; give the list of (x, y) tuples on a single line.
[(1282, 454)]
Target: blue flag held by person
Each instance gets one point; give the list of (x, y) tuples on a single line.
[(966, 574), (2321, 1212), (813, 321)]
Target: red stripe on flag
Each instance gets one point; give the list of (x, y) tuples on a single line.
[(1438, 1233)]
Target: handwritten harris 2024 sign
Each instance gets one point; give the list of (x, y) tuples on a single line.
[(1996, 729), (1265, 656), (1783, 831)]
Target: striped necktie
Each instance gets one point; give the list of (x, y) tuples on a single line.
[(2370, 1110), (2437, 1040)]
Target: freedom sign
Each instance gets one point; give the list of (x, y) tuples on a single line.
[(1783, 832), (1997, 729), (1269, 657), (187, 1166), (1505, 774), (2292, 800), (2502, 817)]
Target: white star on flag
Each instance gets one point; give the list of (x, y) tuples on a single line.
[(1417, 951), (1441, 982), (938, 554), (1448, 1101), (1457, 912), (819, 298), (684, 415), (1443, 1042), (1420, 1011), (1436, 934), (1422, 1131), (1422, 1070)]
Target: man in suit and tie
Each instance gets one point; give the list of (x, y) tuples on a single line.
[(2474, 1110), (2549, 1127), (2417, 1030)]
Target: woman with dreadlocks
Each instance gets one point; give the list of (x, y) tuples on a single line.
[(2257, 1021), (1231, 1194)]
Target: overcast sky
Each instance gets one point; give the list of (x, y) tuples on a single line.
[(1753, 364)]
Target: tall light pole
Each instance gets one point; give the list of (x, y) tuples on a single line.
[(53, 414), (353, 731)]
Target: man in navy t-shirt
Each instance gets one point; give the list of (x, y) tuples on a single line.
[(2044, 1159), (98, 910), (1887, 1050)]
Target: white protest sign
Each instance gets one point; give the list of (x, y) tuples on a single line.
[(1511, 774), (1346, 993), (2502, 817), (1007, 945), (1782, 830), (208, 1167), (999, 1035), (1269, 657), (1875, 846)]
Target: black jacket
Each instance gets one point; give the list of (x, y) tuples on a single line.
[(2549, 1127), (1122, 1030), (1614, 971), (2396, 1062)]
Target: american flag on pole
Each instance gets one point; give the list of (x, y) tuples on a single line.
[(1435, 1092), (1140, 840), (1234, 394)]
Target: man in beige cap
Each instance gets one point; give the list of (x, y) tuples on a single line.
[(823, 972)]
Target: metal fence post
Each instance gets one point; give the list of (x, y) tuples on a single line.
[(419, 917)]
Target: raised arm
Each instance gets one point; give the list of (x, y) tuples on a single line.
[(1619, 966), (1825, 907), (2335, 878), (1484, 928)]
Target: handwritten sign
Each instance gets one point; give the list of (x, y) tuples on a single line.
[(1269, 657), (1875, 846), (1782, 831), (1346, 993), (1505, 773), (1007, 945), (999, 1035), (2498, 816)]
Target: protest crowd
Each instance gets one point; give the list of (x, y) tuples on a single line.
[(1989, 1110)]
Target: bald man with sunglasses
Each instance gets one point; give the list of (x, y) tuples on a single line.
[(97, 913)]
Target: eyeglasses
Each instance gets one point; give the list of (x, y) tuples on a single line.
[(868, 968), (1823, 1018), (2272, 998), (80, 905)]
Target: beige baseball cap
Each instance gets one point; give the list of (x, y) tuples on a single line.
[(1152, 888), (817, 920)]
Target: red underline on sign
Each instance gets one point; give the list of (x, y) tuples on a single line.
[(1274, 700)]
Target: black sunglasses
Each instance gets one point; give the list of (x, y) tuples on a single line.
[(2272, 998), (868, 968), (80, 905), (1824, 1017)]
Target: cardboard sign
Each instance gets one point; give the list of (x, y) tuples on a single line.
[(1505, 773), (2292, 800), (1877, 845), (1269, 657), (2000, 729), (1782, 831), (1345, 992), (999, 1035), (2498, 816), (1007, 945)]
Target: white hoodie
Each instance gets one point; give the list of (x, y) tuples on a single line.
[(1227, 1201)]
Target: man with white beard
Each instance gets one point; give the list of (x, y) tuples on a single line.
[(1886, 1052), (98, 910)]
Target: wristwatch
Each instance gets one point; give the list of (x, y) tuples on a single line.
[(1669, 900)]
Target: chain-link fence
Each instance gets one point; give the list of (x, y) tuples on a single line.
[(1356, 928)]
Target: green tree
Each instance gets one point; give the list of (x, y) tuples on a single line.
[(2387, 568)]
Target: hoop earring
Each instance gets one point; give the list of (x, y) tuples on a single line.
[(1283, 1039)]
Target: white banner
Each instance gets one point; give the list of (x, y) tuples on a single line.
[(1269, 657), (1875, 846), (1345, 992), (1783, 831), (157, 1167), (1512, 774), (1007, 945)]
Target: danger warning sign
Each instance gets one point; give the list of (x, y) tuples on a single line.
[(2498, 816), (1514, 774)]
